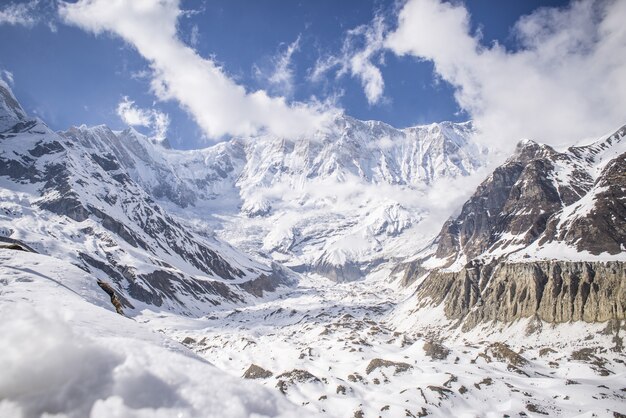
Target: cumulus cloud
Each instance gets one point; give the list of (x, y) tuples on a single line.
[(19, 13), (150, 118), (566, 80), (218, 104), (361, 46)]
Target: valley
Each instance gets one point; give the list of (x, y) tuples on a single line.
[(343, 350)]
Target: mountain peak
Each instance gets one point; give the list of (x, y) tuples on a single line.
[(11, 112), (528, 150), (133, 133)]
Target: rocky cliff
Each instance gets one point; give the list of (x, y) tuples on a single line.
[(553, 291)]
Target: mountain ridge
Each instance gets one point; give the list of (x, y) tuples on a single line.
[(543, 236)]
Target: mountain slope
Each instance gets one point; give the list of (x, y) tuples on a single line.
[(542, 236), (75, 200)]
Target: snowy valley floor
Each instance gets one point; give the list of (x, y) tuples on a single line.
[(347, 350), (333, 348)]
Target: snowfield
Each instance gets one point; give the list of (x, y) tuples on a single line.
[(338, 350), (349, 350), (65, 352)]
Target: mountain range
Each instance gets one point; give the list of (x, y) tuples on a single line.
[(353, 243)]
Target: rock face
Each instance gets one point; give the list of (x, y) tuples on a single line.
[(554, 291), (378, 363), (543, 236), (541, 195)]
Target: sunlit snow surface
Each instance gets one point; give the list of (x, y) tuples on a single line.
[(65, 352), (334, 332)]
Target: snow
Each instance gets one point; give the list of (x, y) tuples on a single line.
[(66, 352), (333, 331), (558, 250)]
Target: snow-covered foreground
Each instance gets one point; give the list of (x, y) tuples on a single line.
[(65, 351), (341, 350), (335, 349)]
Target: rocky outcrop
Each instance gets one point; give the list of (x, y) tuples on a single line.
[(257, 372), (553, 291), (378, 363), (602, 228), (117, 300)]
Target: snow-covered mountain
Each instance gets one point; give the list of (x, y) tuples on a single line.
[(338, 203), (76, 200)]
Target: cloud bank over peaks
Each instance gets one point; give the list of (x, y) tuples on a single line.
[(218, 104), (565, 80)]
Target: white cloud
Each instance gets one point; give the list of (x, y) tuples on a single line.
[(150, 118), (565, 82), (282, 77), (219, 105), (7, 76), (160, 124), (194, 36), (358, 60), (19, 13)]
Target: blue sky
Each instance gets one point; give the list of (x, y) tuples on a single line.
[(68, 75)]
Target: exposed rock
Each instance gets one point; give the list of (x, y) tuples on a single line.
[(295, 376), (443, 392), (188, 341), (536, 409), (377, 363), (268, 283), (487, 381), (539, 197), (588, 355), (545, 351), (115, 297), (435, 350), (504, 353), (257, 372), (14, 244), (554, 291)]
